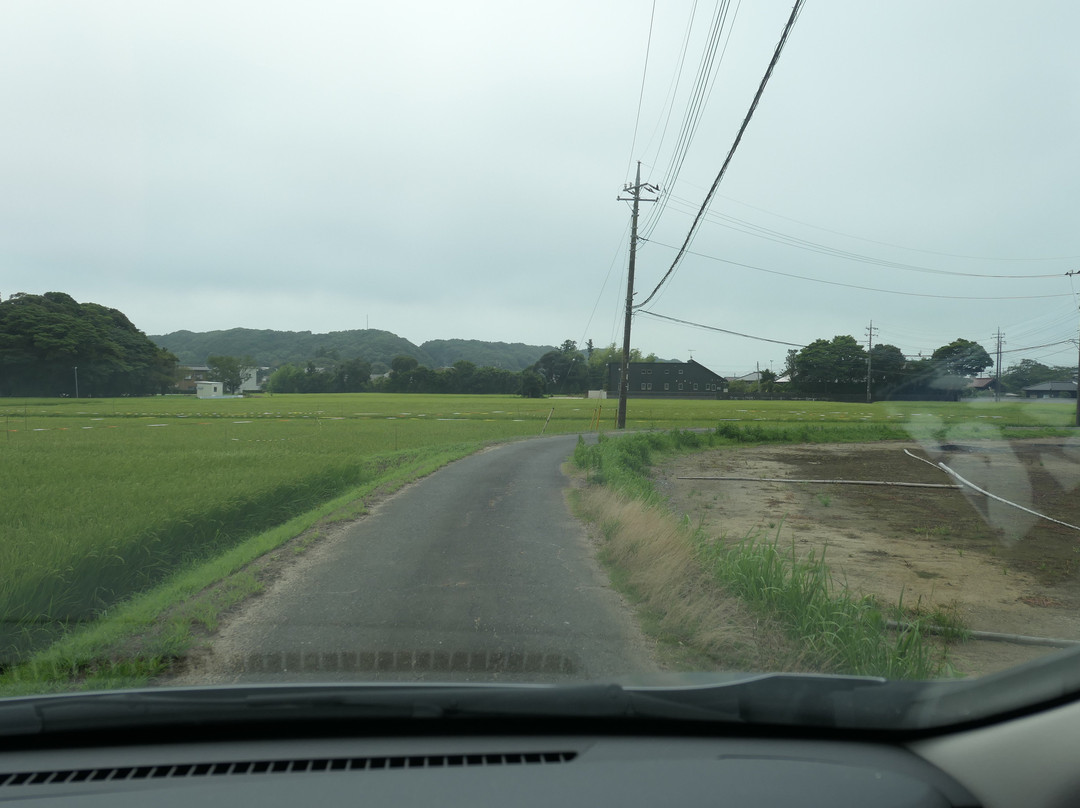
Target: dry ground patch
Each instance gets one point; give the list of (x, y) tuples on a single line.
[(995, 567)]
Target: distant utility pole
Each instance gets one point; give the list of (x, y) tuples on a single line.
[(624, 377), (997, 364), (1077, 272), (869, 351)]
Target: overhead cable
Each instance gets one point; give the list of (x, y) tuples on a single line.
[(850, 285), (641, 95), (673, 87), (749, 228), (898, 246), (1036, 347), (708, 69), (731, 153), (721, 330)]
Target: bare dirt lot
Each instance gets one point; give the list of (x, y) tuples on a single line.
[(997, 568)]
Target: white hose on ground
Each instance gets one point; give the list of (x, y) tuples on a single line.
[(984, 492), (829, 482)]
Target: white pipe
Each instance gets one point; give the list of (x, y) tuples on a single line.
[(831, 482), (984, 492)]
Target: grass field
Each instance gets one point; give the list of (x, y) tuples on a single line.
[(104, 498)]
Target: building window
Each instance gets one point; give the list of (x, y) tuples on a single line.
[(650, 385), (695, 387), (643, 385), (667, 386)]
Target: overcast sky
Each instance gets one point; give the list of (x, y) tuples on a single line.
[(450, 170)]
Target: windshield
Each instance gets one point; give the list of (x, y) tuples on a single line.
[(568, 343)]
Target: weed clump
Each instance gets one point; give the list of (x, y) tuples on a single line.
[(839, 631)]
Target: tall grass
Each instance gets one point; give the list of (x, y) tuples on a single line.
[(836, 630)]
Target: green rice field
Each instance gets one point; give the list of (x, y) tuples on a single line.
[(104, 498)]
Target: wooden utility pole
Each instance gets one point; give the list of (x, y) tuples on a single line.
[(624, 375), (869, 358), (997, 365), (1077, 423)]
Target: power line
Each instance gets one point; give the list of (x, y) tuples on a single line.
[(641, 95), (1036, 347), (721, 330), (751, 229), (699, 95), (847, 285), (800, 345), (731, 153), (603, 286), (898, 246), (708, 70), (673, 87)]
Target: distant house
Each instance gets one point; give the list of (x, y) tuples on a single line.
[(751, 377), (667, 380), (988, 384), (1051, 390), (190, 376), (253, 380)]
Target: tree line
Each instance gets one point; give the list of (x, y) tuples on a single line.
[(563, 371), (51, 345), (841, 367)]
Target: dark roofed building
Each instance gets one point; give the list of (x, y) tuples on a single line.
[(667, 380), (986, 383), (1051, 390)]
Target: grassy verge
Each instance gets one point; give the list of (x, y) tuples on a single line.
[(624, 462), (143, 636), (697, 624), (826, 628)]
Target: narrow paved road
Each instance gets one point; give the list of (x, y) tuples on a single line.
[(476, 573)]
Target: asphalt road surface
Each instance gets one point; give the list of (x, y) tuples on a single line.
[(478, 572)]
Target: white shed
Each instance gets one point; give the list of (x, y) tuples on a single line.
[(209, 390)]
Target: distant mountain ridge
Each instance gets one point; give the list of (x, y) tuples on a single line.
[(273, 348)]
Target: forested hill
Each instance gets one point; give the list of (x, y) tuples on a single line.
[(273, 348), (505, 355)]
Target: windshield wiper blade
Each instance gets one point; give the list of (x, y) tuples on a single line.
[(792, 699), (147, 708), (284, 704)]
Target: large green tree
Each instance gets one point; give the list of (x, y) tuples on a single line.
[(230, 370), (565, 371), (1030, 371), (50, 345), (600, 358), (887, 363), (831, 366), (962, 357)]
